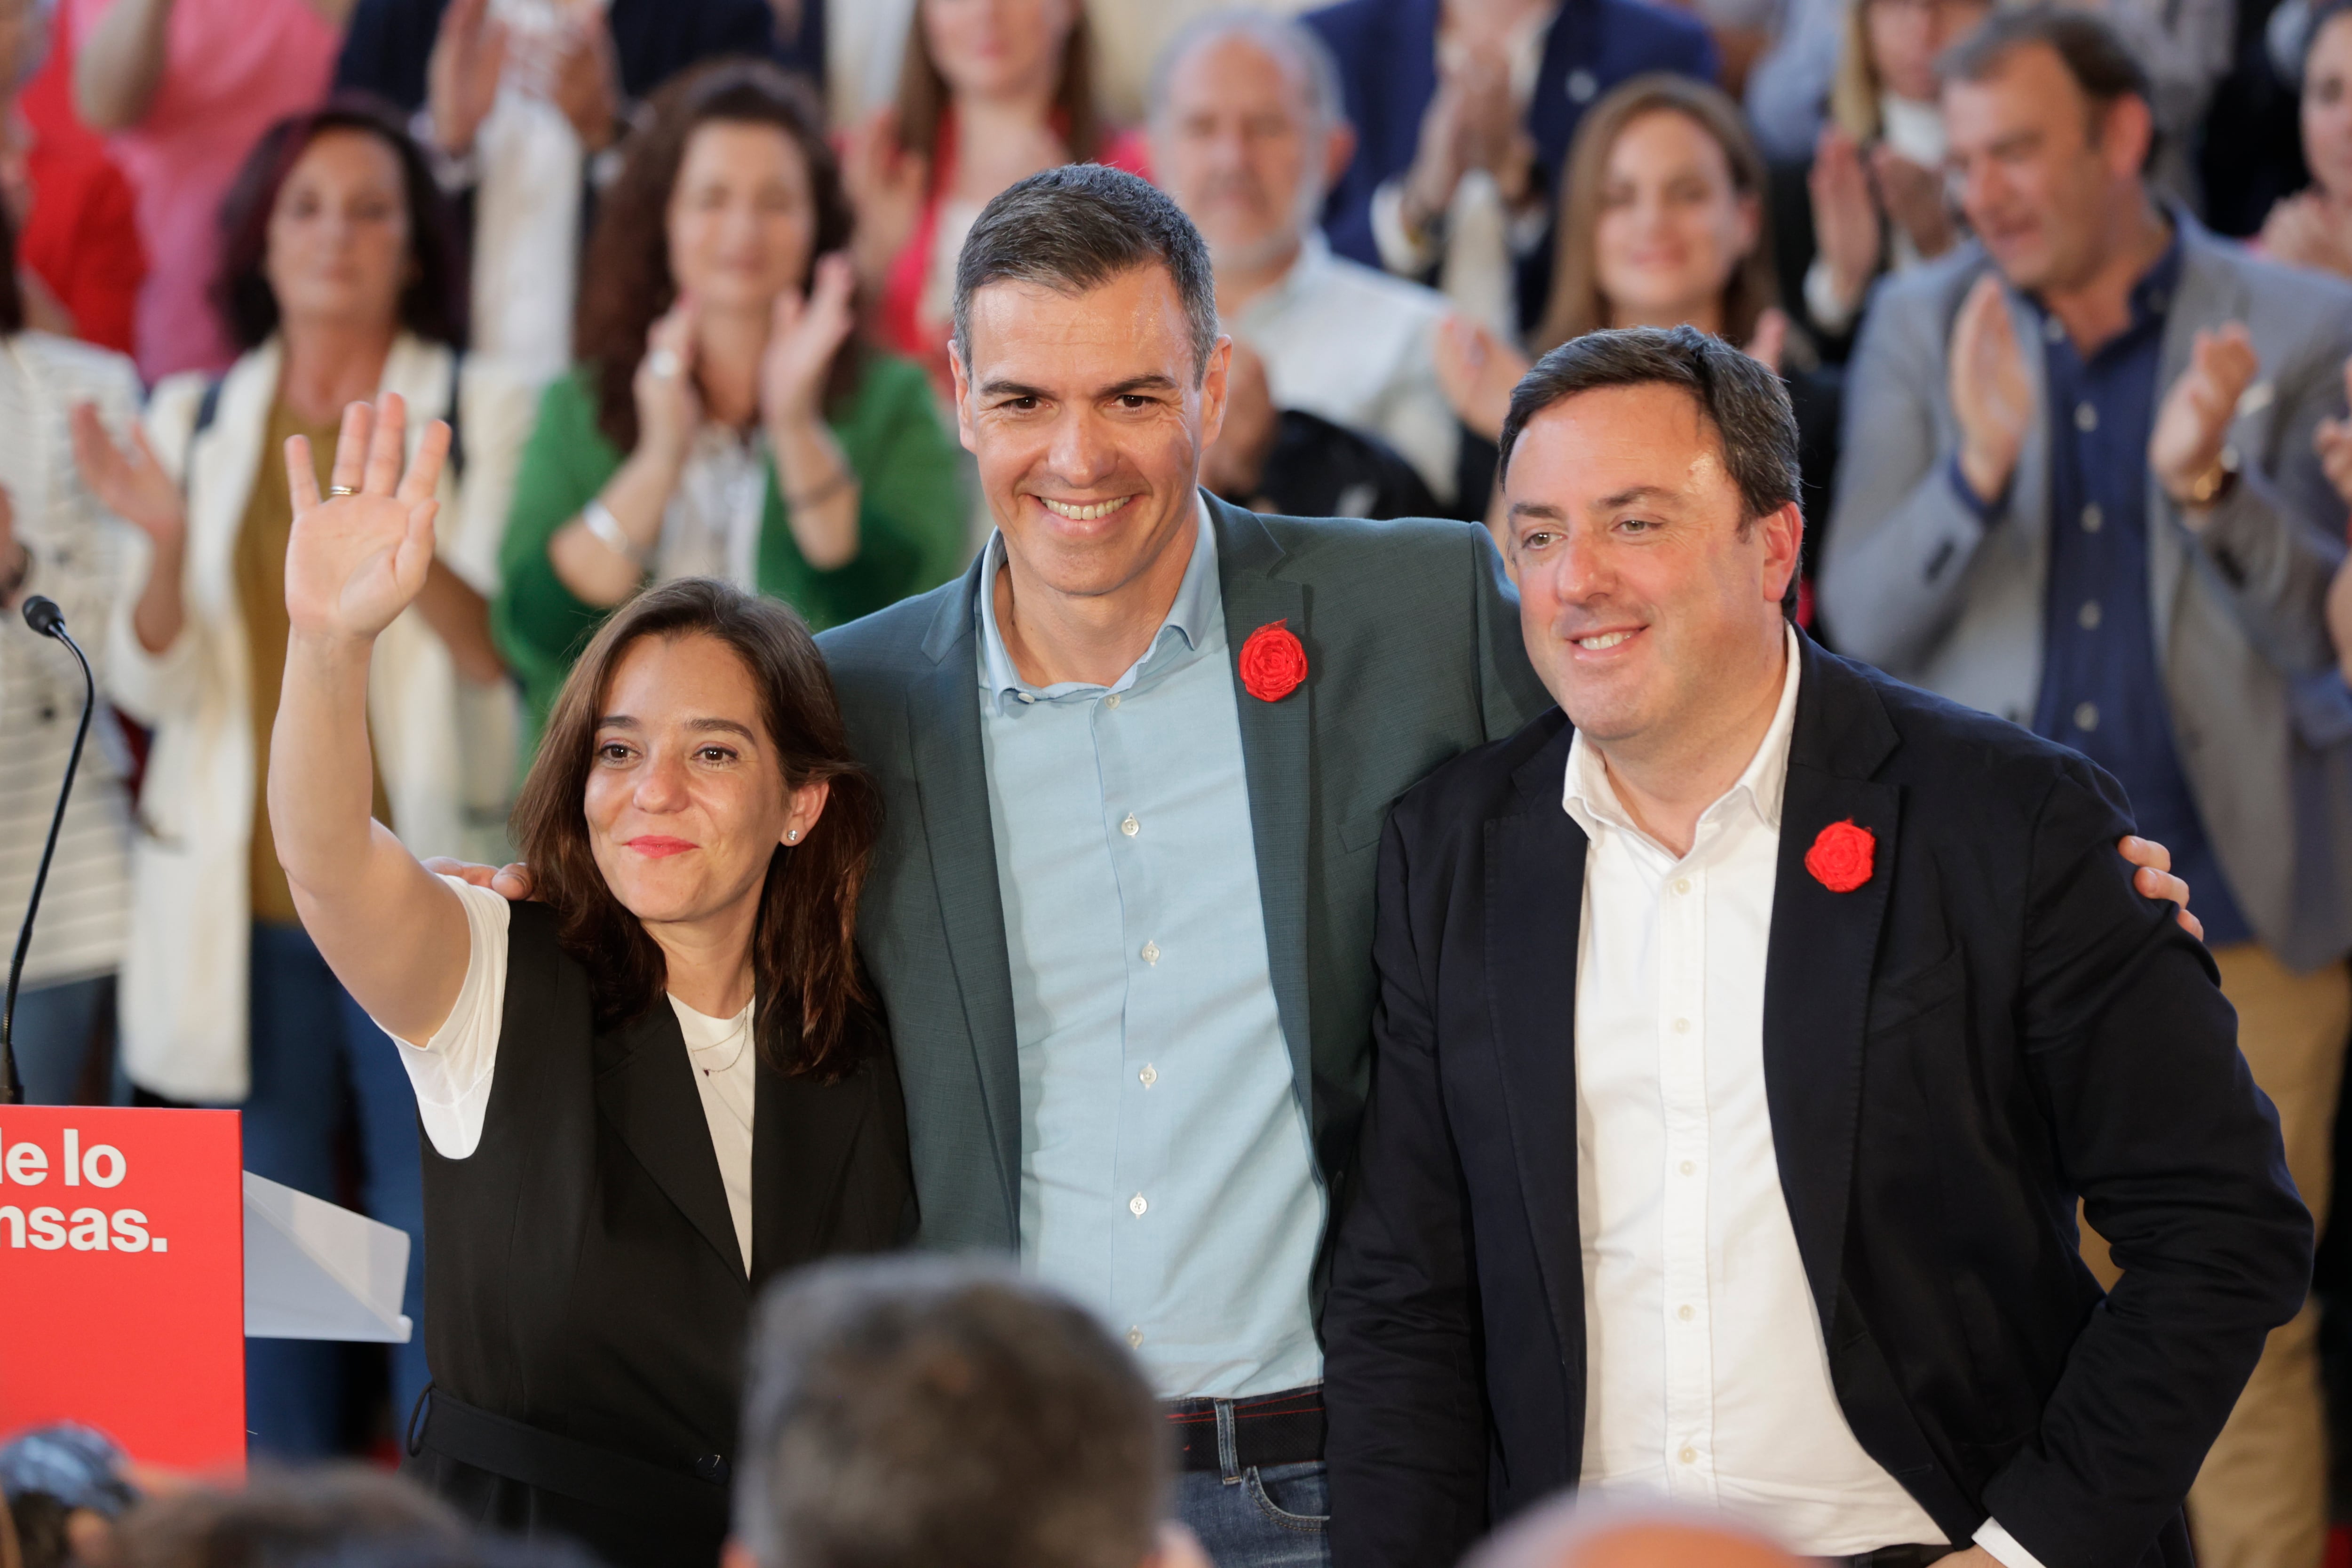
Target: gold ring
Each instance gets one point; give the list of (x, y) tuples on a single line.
[(334, 490)]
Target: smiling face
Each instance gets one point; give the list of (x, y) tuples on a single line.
[(2327, 107), (2040, 165), (1673, 226), (338, 239), (1236, 142), (687, 798), (993, 48), (1641, 598), (1089, 416), (742, 216)]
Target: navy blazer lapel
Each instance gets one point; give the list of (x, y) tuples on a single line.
[(645, 1087), (1822, 950), (1534, 914), (802, 1134), (1275, 743), (951, 781)]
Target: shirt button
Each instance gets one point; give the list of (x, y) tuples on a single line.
[(1149, 1075), (2093, 518), (1682, 1026), (1135, 1339), (1581, 85), (1136, 1206), (1130, 827), (2086, 418), (1111, 703), (1688, 1456), (1685, 1313), (1690, 1167), (2086, 716), (1681, 884), (2053, 329), (1150, 955), (2088, 615), (1026, 696)]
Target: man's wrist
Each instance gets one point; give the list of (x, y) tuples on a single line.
[(2205, 490), (1982, 482)]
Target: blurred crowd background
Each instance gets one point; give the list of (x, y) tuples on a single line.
[(225, 220)]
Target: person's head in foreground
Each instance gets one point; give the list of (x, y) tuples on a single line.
[(695, 775), (1575, 1533), (1249, 134), (282, 1518), (2046, 116), (1089, 377), (1650, 482), (915, 1412), (65, 1485)]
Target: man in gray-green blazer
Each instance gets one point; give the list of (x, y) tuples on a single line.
[(1135, 767)]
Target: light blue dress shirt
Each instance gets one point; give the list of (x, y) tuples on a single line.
[(1167, 1177)]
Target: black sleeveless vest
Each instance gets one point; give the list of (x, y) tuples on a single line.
[(582, 1274)]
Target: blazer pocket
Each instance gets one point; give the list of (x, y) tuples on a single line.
[(1363, 830), (1922, 990)]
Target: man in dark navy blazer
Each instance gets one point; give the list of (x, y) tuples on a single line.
[(1421, 123), (1742, 1052)]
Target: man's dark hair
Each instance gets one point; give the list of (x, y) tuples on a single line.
[(284, 1517), (1077, 227), (2086, 42), (1742, 401), (909, 1411)]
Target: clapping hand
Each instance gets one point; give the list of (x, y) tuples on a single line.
[(1476, 371), (132, 484), (1914, 197), (2193, 422), (667, 409), (2305, 231), (461, 78), (1992, 395), (804, 335), (885, 186), (360, 555), (1845, 215), (1769, 343)]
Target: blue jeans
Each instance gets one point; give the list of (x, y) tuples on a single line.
[(51, 1035), (311, 1046), (1269, 1517)]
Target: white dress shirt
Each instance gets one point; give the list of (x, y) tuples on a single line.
[(1358, 348), (453, 1071), (1708, 1381)]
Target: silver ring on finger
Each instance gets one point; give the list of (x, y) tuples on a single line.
[(664, 363), (334, 491)]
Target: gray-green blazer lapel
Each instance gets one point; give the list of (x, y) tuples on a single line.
[(951, 781), (1275, 741)]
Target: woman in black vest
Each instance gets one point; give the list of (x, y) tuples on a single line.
[(645, 1093)]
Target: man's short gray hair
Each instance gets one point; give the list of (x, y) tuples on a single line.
[(920, 1409), (1287, 39), (1074, 228)]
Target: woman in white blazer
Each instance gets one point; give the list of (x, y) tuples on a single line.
[(57, 540), (339, 281)]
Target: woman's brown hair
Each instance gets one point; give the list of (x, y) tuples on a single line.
[(625, 280), (924, 94), (804, 959), (1576, 306)]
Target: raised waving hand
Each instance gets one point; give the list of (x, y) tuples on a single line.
[(359, 555)]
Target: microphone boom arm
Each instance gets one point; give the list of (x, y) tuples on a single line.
[(42, 615)]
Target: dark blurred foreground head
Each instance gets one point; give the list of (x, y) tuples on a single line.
[(1572, 1534), (284, 1518), (942, 1413)]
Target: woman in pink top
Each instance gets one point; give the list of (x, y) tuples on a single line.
[(990, 92), (187, 87)]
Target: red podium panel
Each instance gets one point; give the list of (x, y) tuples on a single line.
[(123, 1279)]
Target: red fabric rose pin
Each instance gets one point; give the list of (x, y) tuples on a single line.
[(1273, 662), (1841, 856)]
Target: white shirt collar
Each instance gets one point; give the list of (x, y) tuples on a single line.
[(1588, 796)]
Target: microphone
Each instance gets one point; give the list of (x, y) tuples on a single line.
[(43, 615)]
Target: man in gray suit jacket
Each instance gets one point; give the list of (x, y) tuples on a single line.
[(2080, 491), (1135, 765)]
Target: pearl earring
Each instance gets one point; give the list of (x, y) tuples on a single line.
[(793, 836)]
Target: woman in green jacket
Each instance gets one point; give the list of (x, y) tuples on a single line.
[(723, 420)]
